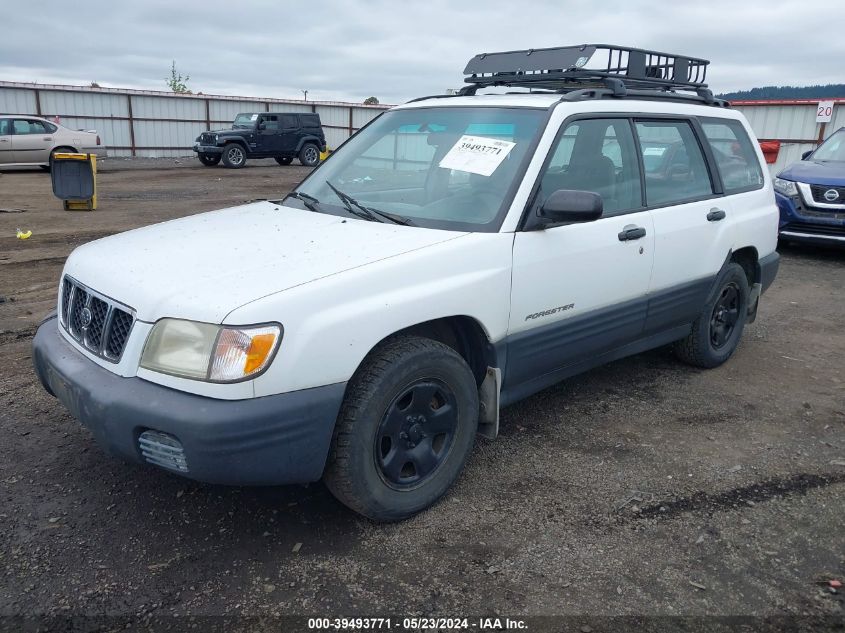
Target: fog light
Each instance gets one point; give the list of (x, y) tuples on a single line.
[(164, 450)]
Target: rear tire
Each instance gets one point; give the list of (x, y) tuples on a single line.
[(405, 429), (58, 150), (309, 155), (717, 330), (234, 156), (284, 160), (209, 160)]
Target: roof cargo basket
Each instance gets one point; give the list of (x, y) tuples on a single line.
[(615, 70)]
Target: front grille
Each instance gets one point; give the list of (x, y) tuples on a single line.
[(818, 192), (99, 323), (830, 230), (207, 138), (164, 450)]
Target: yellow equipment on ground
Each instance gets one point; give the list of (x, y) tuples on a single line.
[(75, 180)]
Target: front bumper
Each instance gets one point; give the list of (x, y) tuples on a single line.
[(272, 440), (800, 223), (207, 149)]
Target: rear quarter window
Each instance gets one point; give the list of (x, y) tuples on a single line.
[(734, 153), (310, 120)]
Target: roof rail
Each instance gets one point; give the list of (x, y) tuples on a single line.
[(567, 68)]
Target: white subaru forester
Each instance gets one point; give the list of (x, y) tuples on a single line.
[(455, 255)]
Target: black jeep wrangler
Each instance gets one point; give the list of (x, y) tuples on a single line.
[(283, 136)]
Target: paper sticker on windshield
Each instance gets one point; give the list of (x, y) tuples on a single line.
[(477, 154), (253, 117)]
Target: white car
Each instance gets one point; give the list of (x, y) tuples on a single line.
[(457, 254), (32, 141)]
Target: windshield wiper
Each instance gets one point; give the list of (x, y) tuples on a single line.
[(310, 202), (367, 213)]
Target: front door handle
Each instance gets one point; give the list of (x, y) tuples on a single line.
[(631, 232), (715, 215)]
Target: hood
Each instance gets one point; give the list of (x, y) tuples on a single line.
[(204, 266), (234, 131), (816, 173), (229, 132)]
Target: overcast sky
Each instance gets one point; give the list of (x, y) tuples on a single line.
[(396, 50)]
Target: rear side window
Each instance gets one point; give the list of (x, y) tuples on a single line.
[(734, 154), (4, 127), (675, 169), (289, 122), (310, 120)]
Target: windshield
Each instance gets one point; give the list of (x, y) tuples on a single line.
[(449, 168), (245, 120), (833, 148)]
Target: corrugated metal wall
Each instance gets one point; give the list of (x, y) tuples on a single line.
[(793, 123), (149, 123)]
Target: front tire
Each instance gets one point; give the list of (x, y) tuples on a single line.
[(284, 160), (209, 160), (717, 330), (234, 156), (405, 429), (309, 155)]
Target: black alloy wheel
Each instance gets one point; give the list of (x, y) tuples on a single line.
[(725, 316), (416, 433)]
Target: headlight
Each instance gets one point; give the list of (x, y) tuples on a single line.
[(213, 353), (785, 187)]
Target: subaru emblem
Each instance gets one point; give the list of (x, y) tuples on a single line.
[(831, 194), (85, 318)]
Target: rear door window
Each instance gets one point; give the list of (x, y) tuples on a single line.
[(734, 153), (289, 122), (4, 127), (26, 126), (674, 165)]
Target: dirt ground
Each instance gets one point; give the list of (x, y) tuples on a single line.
[(642, 488)]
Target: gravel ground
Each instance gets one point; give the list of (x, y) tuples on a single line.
[(643, 488)]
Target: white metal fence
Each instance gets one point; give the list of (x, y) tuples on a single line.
[(150, 123)]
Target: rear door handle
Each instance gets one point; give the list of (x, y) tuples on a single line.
[(715, 215), (631, 232)]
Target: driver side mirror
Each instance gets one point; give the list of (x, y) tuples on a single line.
[(806, 155), (262, 125), (568, 206)]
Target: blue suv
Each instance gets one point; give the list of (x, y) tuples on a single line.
[(811, 195)]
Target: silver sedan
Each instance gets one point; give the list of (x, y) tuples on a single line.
[(29, 140)]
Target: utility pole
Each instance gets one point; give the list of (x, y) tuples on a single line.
[(305, 95)]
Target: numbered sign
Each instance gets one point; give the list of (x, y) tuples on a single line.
[(824, 112)]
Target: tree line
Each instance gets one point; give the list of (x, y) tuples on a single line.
[(826, 91)]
